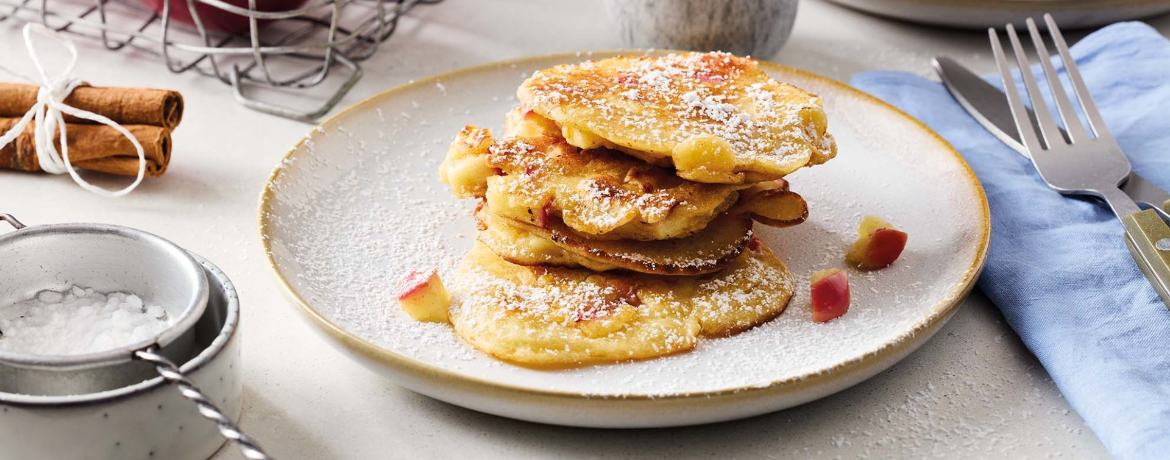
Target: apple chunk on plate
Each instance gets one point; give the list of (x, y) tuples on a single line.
[(878, 244), (422, 296), (830, 294)]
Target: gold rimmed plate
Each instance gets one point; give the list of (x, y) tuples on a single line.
[(357, 204)]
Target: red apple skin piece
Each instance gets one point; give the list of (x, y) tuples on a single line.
[(541, 215), (627, 291), (829, 294), (754, 244), (412, 282), (878, 244), (885, 245)]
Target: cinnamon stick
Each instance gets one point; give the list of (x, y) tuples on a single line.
[(126, 106), (93, 147)]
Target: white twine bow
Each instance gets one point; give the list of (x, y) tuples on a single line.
[(47, 113)]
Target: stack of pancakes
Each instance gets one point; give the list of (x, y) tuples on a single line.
[(616, 211)]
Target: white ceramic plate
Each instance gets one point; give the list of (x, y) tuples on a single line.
[(981, 14), (357, 204)]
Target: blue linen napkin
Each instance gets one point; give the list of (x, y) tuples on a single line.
[(1057, 267)]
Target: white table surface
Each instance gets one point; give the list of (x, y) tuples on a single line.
[(973, 391)]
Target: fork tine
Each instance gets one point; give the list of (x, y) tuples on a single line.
[(1096, 123), (1072, 124), (1019, 112), (1048, 128)]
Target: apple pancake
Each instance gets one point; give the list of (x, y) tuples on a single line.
[(534, 175), (710, 250), (715, 117), (560, 317)]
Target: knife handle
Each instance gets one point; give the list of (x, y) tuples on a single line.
[(1148, 238)]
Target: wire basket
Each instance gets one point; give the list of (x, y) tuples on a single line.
[(296, 64)]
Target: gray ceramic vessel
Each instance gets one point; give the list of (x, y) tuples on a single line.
[(756, 28)]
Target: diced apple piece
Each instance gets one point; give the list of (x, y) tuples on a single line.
[(706, 158), (466, 167), (878, 244), (616, 307), (755, 244), (830, 294), (583, 139), (422, 296), (773, 207), (541, 215), (467, 176), (523, 123), (642, 177), (626, 291), (608, 322)]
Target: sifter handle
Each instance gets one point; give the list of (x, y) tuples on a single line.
[(11, 221), (170, 372)]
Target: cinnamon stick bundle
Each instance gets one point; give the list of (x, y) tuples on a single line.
[(149, 114), (127, 106), (93, 147)]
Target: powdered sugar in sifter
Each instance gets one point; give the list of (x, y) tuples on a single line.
[(108, 258)]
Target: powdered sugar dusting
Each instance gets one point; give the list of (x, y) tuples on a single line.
[(352, 213), (771, 126)]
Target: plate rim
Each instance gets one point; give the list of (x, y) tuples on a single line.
[(893, 347)]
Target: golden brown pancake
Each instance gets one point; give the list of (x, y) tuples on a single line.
[(533, 174), (600, 192), (710, 250), (563, 317), (716, 117)]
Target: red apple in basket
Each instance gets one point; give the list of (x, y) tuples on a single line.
[(216, 19)]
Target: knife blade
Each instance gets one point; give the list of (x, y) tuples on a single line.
[(988, 105)]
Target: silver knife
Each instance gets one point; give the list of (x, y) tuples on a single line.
[(988, 105)]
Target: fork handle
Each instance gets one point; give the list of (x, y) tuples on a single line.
[(1148, 238)]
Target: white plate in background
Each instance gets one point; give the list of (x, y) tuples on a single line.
[(981, 14)]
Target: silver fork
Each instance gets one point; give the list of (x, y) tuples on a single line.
[(1082, 164)]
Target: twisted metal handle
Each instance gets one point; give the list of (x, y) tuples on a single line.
[(170, 372), (11, 221)]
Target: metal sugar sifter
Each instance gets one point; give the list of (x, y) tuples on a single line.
[(108, 258)]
